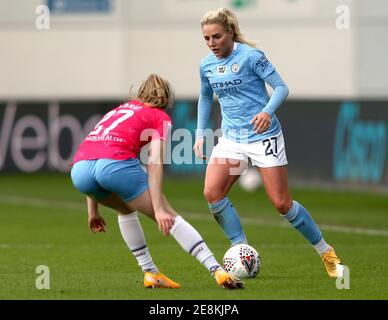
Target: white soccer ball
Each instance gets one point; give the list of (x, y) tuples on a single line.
[(250, 180), (242, 261)]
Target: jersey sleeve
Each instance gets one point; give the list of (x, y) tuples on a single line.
[(260, 64), (279, 94), (205, 102)]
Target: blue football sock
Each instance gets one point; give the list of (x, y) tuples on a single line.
[(301, 220), (227, 217)]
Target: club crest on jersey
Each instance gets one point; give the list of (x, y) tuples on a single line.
[(221, 70), (235, 67)]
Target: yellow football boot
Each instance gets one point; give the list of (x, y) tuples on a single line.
[(159, 280), (332, 264), (227, 281)]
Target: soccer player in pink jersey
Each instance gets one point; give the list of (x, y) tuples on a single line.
[(106, 168)]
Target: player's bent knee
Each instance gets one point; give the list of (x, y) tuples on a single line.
[(282, 205), (213, 195)]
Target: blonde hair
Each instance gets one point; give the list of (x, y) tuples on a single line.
[(228, 20), (156, 91)]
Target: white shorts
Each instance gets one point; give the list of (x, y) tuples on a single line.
[(266, 153)]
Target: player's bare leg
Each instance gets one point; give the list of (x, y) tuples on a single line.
[(275, 182), (221, 174)]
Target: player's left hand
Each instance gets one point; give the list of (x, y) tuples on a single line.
[(261, 122)]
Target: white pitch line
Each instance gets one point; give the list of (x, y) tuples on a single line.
[(25, 246), (283, 224), (42, 203), (76, 206), (354, 230)]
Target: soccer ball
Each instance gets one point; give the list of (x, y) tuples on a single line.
[(250, 180), (242, 261)]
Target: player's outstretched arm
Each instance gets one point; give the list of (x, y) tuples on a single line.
[(163, 217)]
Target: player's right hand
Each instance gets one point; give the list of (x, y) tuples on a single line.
[(96, 224), (261, 122), (165, 221), (198, 147)]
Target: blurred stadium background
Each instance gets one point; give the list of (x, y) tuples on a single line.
[(64, 63)]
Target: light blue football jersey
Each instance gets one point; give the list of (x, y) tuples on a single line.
[(237, 80)]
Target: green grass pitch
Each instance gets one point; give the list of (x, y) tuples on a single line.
[(43, 222)]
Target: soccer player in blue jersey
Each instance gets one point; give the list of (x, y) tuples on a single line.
[(236, 72)]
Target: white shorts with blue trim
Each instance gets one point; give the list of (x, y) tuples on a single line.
[(270, 152)]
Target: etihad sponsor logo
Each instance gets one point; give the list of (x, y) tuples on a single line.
[(226, 84)]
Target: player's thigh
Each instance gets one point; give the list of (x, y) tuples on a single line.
[(226, 164), (113, 201), (221, 171), (275, 181), (143, 204), (221, 174)]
